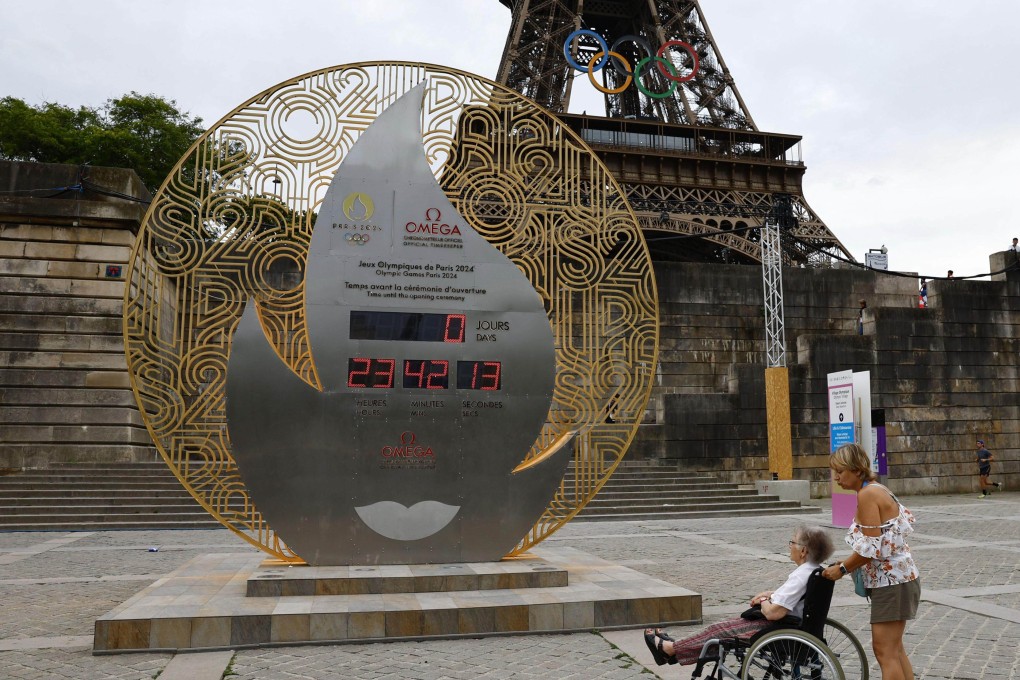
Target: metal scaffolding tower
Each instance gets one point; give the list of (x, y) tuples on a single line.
[(779, 218)]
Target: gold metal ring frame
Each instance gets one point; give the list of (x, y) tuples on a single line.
[(234, 219)]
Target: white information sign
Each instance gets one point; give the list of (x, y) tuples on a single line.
[(877, 260), (841, 409)]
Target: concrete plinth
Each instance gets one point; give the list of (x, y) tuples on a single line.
[(274, 580), (205, 604), (786, 489)]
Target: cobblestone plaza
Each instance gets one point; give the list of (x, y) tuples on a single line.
[(54, 585)]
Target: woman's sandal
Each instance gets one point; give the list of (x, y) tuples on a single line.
[(654, 640)]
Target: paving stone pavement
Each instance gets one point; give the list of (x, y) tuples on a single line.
[(53, 585)]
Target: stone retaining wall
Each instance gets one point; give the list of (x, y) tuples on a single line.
[(945, 375), (64, 391)]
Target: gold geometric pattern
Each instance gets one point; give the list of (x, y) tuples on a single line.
[(234, 221)]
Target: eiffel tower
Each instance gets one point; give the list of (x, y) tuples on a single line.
[(676, 133)]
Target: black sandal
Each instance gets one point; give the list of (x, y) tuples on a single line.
[(655, 647)]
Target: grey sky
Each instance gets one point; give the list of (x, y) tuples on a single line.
[(908, 109)]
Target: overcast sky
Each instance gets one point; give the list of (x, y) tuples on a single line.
[(908, 109)]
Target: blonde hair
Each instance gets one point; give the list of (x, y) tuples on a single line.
[(853, 457)]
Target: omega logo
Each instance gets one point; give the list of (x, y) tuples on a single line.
[(407, 448), (433, 225)]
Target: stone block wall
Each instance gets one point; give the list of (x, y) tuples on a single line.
[(64, 390), (945, 375)]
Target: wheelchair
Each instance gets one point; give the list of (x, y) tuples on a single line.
[(812, 648)]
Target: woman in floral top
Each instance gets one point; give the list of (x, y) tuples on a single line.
[(878, 537)]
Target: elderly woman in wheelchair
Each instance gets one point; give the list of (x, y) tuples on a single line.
[(781, 636)]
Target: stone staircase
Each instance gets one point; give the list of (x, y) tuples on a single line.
[(98, 496), (65, 394), (647, 490), (101, 496)]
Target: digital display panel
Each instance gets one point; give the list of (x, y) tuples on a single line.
[(371, 373), (479, 375), (410, 326), (426, 374)]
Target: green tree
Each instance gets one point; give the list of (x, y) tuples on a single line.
[(46, 133), (146, 133)]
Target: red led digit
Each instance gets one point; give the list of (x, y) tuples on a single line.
[(426, 374), (489, 375), (384, 372), (414, 374), (370, 373), (479, 375), (407, 326), (439, 375), (454, 330), (357, 372)]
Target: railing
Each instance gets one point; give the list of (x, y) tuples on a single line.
[(733, 147)]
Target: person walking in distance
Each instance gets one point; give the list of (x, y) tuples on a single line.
[(922, 294), (860, 317), (984, 461), (1015, 247)]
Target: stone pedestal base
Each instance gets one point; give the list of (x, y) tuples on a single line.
[(239, 600), (786, 489)]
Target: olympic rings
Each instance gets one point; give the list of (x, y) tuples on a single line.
[(595, 84), (671, 76), (576, 34), (359, 239), (690, 50), (609, 54)]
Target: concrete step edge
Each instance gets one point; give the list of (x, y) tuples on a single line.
[(789, 505), (104, 526), (57, 518), (695, 514)]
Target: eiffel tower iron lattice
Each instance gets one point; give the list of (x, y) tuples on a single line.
[(683, 144)]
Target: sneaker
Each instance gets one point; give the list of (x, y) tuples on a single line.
[(997, 485), (982, 495)]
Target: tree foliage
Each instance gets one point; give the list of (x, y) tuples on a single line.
[(146, 133)]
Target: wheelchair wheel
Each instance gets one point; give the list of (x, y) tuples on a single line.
[(790, 655), (848, 650)]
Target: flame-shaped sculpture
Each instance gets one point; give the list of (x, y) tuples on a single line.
[(436, 360)]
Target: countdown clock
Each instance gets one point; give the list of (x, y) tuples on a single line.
[(436, 361), (254, 306)]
